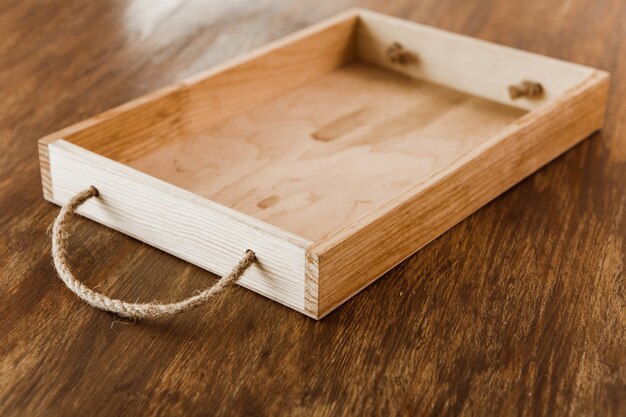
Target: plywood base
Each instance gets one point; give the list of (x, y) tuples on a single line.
[(324, 154)]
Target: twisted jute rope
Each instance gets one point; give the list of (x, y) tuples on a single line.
[(123, 308)]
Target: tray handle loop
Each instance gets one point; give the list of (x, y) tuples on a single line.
[(123, 308)]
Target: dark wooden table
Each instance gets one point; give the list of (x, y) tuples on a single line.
[(520, 309)]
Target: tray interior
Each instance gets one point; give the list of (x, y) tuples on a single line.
[(318, 129), (319, 156)]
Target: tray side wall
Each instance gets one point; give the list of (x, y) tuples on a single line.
[(203, 233), (138, 126), (477, 67), (362, 252)]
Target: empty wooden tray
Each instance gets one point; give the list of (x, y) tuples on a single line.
[(333, 154)]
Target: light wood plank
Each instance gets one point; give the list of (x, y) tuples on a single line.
[(180, 223), (467, 64), (138, 126)]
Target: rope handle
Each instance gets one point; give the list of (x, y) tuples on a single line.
[(123, 308)]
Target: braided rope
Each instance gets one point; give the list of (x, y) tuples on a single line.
[(123, 308)]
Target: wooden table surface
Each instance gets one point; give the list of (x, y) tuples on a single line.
[(520, 309)]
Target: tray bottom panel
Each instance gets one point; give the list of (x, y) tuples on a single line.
[(320, 156)]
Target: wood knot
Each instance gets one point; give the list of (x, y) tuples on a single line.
[(398, 55), (528, 89)]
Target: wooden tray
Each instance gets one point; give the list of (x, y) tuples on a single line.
[(333, 154)]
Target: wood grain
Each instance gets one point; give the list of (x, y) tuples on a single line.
[(323, 155), (518, 310)]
